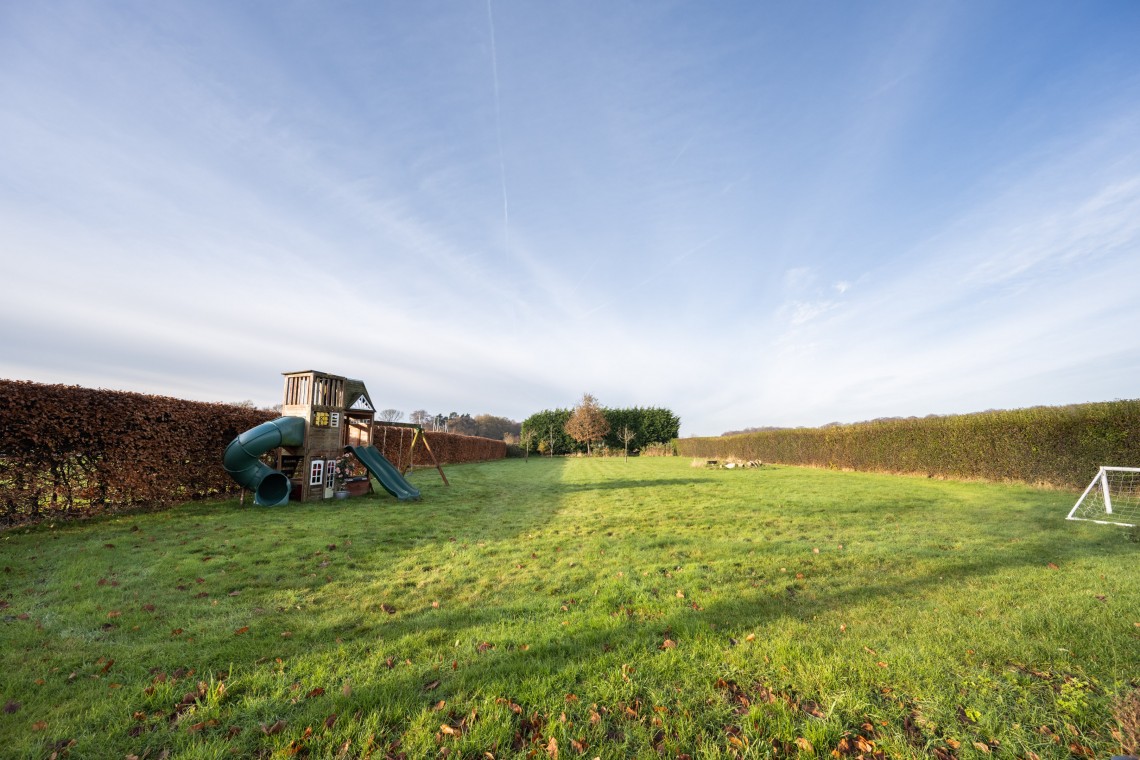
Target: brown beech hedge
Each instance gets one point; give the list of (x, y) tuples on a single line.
[(67, 451), (449, 448), (1060, 446)]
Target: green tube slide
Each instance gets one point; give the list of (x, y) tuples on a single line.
[(242, 459)]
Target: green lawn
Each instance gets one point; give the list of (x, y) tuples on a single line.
[(613, 609)]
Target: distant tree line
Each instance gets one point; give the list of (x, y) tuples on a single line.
[(483, 425), (645, 425)]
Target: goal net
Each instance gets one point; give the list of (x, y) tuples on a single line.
[(1112, 498)]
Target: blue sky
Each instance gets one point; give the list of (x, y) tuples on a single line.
[(752, 213)]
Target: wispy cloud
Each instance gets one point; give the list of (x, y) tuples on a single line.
[(872, 214)]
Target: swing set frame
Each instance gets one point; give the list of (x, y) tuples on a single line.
[(417, 437)]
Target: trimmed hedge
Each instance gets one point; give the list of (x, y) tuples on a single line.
[(449, 448), (1060, 446), (67, 451)]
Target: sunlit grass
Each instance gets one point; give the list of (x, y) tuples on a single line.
[(620, 609)]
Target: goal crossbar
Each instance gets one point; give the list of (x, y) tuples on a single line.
[(1114, 493)]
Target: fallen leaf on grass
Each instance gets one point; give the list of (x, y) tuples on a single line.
[(114, 614), (148, 608), (330, 721), (346, 690), (276, 728), (39, 725), (750, 637), (881, 664), (286, 634), (552, 747), (449, 730), (315, 693), (669, 644), (176, 632), (12, 706), (235, 593), (388, 608), (240, 631), (439, 706), (804, 744), (431, 686), (1052, 566)]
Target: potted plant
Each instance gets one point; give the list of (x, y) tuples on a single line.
[(343, 471)]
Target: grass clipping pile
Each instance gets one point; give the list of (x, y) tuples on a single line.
[(731, 463)]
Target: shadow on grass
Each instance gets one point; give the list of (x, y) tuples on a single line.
[(626, 484)]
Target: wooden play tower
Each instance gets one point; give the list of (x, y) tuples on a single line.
[(337, 412)]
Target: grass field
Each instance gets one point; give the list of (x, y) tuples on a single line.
[(580, 607)]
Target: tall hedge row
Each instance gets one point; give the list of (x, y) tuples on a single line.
[(67, 451), (1057, 446), (449, 448)]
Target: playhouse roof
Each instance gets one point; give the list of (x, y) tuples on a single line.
[(354, 390), (316, 372)]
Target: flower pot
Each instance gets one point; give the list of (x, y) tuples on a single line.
[(341, 494)]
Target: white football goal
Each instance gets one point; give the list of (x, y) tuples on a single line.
[(1112, 498)]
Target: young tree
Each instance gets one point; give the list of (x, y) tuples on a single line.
[(390, 415), (626, 435), (420, 417), (588, 423), (526, 438)]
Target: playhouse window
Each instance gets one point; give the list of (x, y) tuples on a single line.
[(334, 419), (330, 472), (317, 474)]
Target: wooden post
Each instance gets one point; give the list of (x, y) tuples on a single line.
[(432, 454)]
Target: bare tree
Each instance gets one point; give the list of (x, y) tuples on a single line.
[(626, 435), (587, 424), (420, 417), (526, 438), (390, 415)]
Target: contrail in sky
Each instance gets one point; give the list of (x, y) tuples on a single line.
[(499, 132)]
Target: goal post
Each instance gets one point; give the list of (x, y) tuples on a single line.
[(1112, 498)]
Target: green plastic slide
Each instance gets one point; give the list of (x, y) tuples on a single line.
[(384, 472), (242, 459)]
